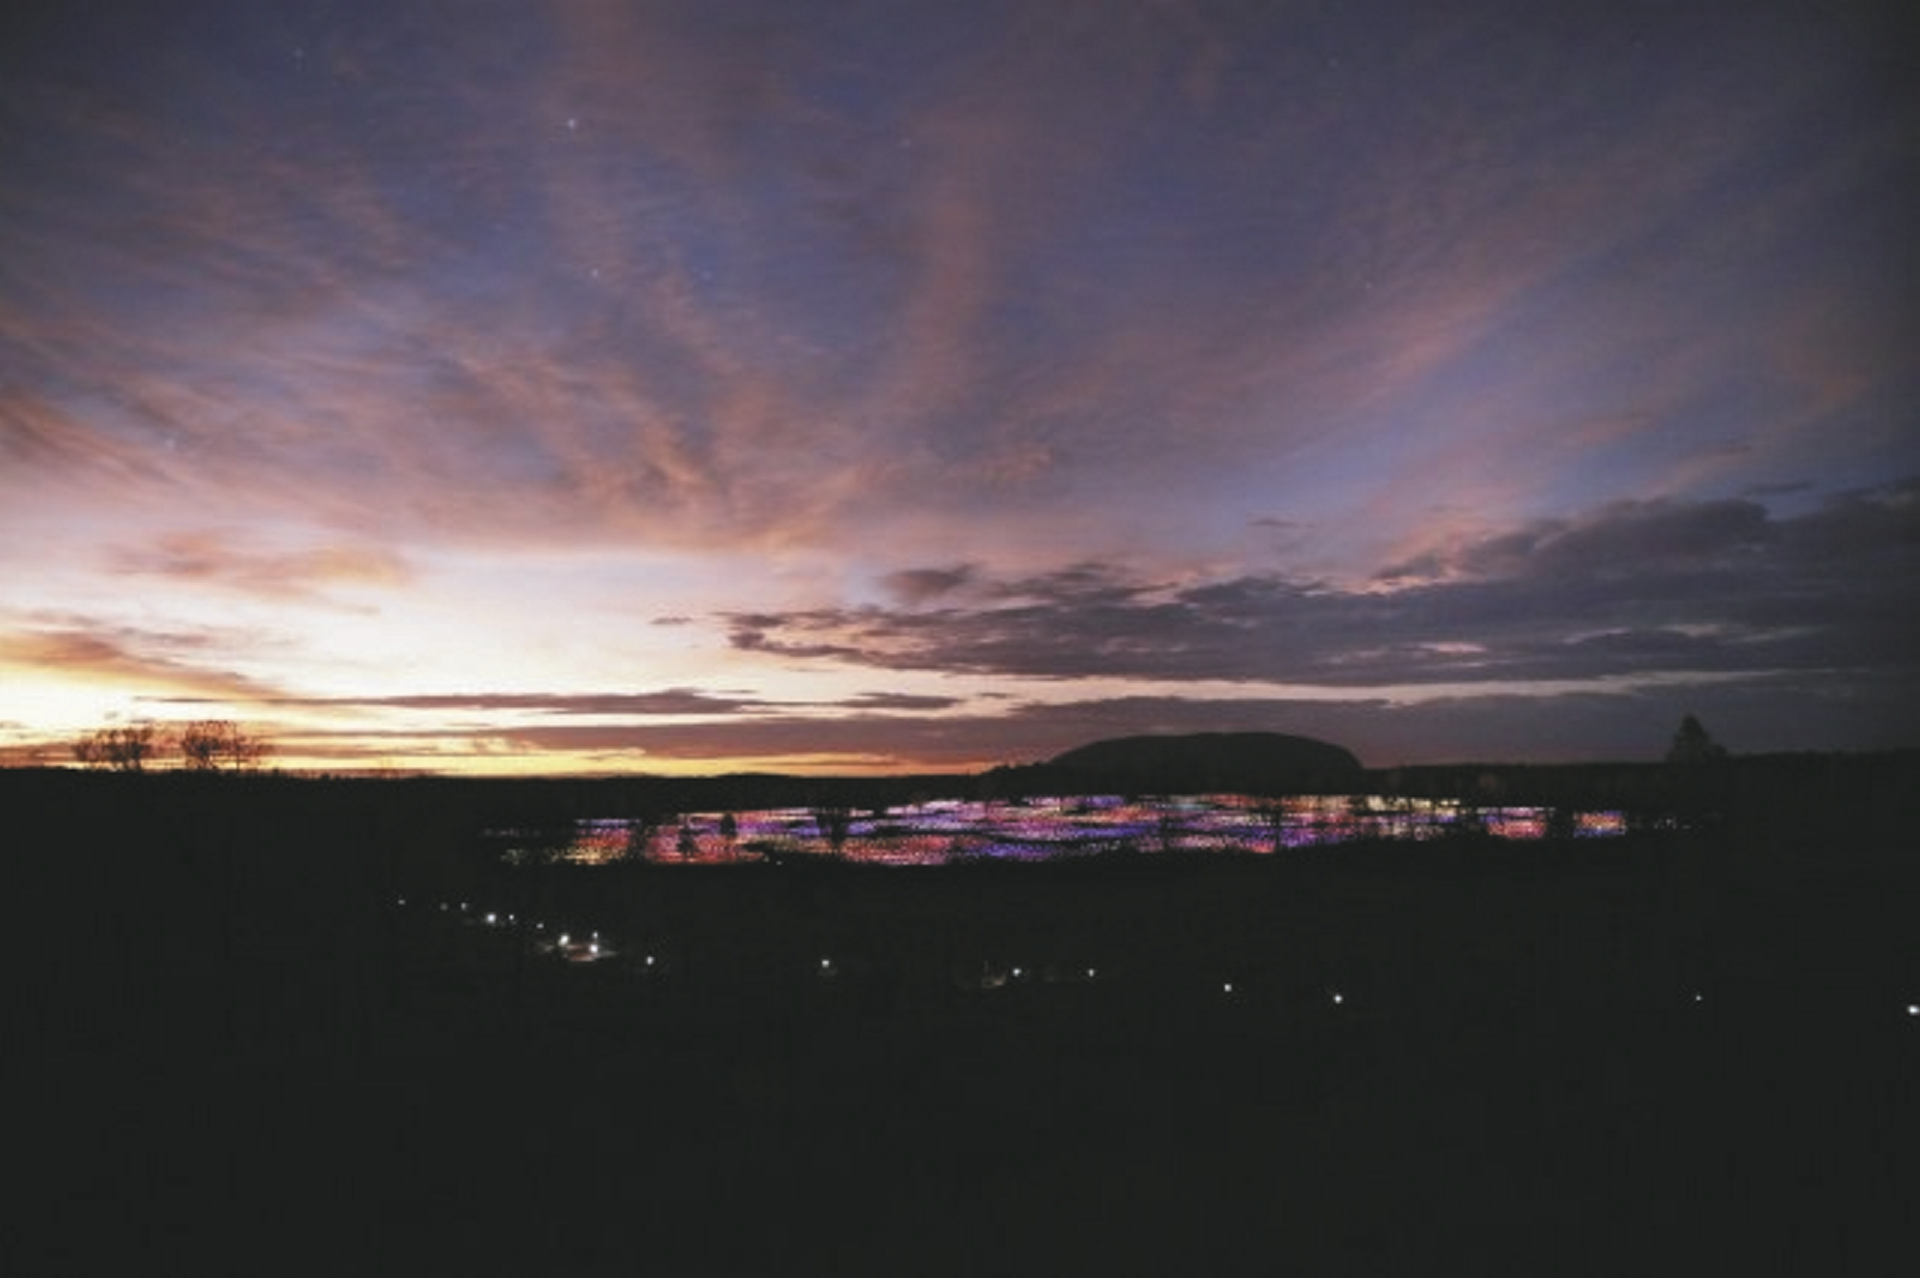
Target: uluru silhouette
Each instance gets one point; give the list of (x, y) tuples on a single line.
[(1207, 761)]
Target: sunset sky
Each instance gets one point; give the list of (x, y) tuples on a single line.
[(591, 386)]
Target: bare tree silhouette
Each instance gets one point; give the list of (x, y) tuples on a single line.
[(219, 745), (127, 748)]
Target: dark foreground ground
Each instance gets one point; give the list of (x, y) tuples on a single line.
[(242, 1055)]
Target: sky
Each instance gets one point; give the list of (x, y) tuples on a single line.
[(582, 386)]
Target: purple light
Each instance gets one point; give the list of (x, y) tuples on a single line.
[(946, 831)]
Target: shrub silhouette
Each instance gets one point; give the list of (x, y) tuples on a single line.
[(1692, 743)]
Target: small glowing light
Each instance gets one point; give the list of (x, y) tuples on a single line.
[(1913, 1009), (492, 919), (1019, 972), (825, 963), (1091, 974), (649, 960), (1698, 997), (563, 938), (1339, 997), (1227, 988), (594, 948), (401, 901)]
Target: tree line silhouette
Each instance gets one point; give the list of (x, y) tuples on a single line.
[(203, 745)]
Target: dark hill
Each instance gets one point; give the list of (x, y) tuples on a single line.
[(1247, 761)]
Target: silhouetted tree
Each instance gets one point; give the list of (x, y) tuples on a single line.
[(834, 823), (1274, 816), (1692, 743), (641, 830), (219, 745), (87, 751), (127, 748), (1167, 826)]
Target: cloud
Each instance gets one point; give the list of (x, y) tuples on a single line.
[(1627, 589), (871, 740), (212, 558), (604, 272), (667, 702), (914, 586), (149, 661), (1621, 539), (1493, 726), (901, 701)]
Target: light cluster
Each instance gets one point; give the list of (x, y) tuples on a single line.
[(950, 831)]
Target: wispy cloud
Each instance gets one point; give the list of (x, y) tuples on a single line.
[(668, 702), (717, 285), (152, 663), (212, 558)]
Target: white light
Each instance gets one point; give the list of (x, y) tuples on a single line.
[(1913, 1009), (1018, 972), (1698, 997), (594, 948), (563, 938), (491, 919), (1227, 988), (1339, 998), (401, 901), (1090, 974), (649, 960), (826, 963)]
